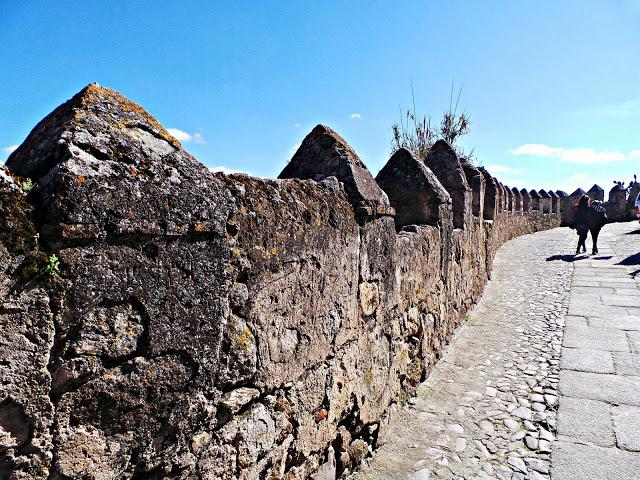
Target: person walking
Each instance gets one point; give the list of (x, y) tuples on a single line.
[(597, 220), (581, 222)]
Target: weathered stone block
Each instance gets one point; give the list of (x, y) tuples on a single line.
[(517, 199), (476, 181), (617, 204), (414, 191), (444, 162), (535, 200), (596, 193), (545, 201), (491, 195), (323, 153), (526, 200), (509, 199), (555, 201)]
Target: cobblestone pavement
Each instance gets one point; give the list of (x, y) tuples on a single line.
[(599, 415), (489, 408)]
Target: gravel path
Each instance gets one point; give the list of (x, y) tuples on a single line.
[(489, 408)]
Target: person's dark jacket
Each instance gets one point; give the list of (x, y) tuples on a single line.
[(583, 215), (597, 217), (594, 217)]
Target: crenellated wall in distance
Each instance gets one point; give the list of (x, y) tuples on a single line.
[(222, 327)]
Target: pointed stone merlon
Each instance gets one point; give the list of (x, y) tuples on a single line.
[(62, 135), (509, 199), (476, 181), (490, 208), (444, 163), (545, 201), (535, 200), (575, 196), (503, 198), (517, 200), (415, 193), (564, 202), (526, 200), (596, 193), (323, 153), (555, 201), (500, 202), (617, 204), (569, 203)]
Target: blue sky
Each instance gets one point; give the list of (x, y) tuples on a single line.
[(552, 88)]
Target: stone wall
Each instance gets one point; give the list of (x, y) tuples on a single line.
[(220, 327)]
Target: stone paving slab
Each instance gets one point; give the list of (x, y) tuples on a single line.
[(572, 461), (626, 322), (598, 430), (626, 363), (626, 422), (596, 386), (587, 360), (596, 339)]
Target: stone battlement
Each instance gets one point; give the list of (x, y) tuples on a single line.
[(228, 326)]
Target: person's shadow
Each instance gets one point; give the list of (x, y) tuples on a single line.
[(631, 260), (575, 258)]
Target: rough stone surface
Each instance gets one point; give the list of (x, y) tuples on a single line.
[(596, 193), (526, 200), (476, 181), (208, 326), (490, 209), (504, 359), (414, 191), (444, 162), (517, 199), (323, 153)]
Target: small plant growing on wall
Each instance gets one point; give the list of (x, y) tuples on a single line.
[(26, 184), (51, 266), (417, 134)]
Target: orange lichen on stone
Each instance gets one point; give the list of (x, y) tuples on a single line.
[(94, 94), (320, 415)]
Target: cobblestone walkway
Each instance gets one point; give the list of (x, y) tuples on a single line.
[(599, 416), (489, 409)]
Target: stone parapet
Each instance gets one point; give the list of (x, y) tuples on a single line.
[(199, 325)]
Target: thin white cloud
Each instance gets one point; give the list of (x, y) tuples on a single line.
[(294, 149), (186, 137), (10, 148), (582, 156), (502, 169), (296, 125), (180, 135), (355, 116), (225, 170)]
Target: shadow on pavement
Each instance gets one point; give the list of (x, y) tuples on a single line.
[(632, 260), (635, 232), (567, 258)]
